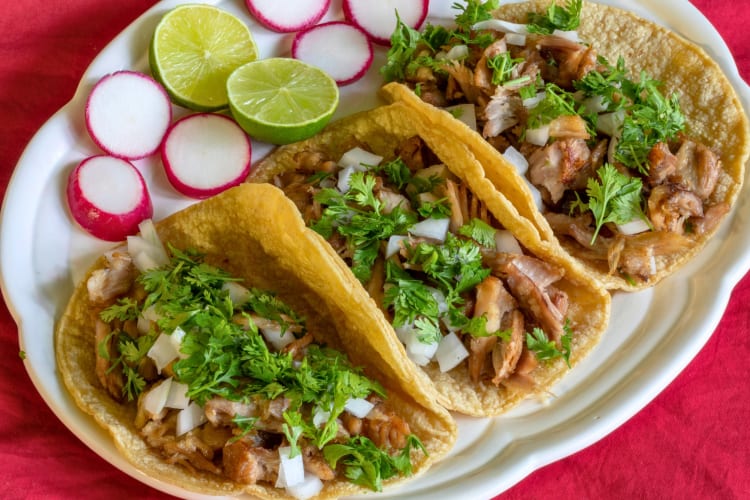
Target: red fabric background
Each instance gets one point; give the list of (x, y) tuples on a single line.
[(692, 441)]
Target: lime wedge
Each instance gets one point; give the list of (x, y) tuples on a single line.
[(194, 50), (281, 100)]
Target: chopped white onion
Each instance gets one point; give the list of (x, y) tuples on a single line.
[(237, 293), (568, 35), (531, 102), (517, 159), (536, 195), (345, 176), (276, 337), (610, 123), (439, 298), (359, 407), (538, 136), (515, 39), (163, 351), (394, 245), (635, 226), (177, 397), (612, 148), (146, 317), (450, 352), (309, 487), (320, 416), (177, 335), (190, 418), (465, 113), (594, 104), (146, 249), (652, 261), (435, 229), (457, 52), (291, 470), (156, 398), (506, 242), (419, 352), (359, 157), (500, 25)]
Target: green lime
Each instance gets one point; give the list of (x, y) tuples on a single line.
[(194, 50), (280, 100)]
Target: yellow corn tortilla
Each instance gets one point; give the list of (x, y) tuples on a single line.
[(380, 131), (255, 233), (712, 109)]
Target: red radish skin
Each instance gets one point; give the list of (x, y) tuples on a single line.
[(205, 153), (127, 114), (340, 49), (378, 18), (287, 16), (107, 197)]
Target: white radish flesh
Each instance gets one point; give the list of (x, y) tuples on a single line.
[(108, 197), (287, 16), (351, 57), (127, 114), (378, 18), (205, 153)]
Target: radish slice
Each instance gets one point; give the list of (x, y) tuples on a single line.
[(127, 114), (108, 197), (287, 16), (347, 63), (205, 154), (378, 18)]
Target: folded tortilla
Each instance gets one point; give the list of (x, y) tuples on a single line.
[(713, 112), (380, 131), (255, 233)]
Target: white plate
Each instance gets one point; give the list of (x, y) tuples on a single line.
[(653, 335)]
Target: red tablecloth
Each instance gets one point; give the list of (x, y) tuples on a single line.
[(692, 441)]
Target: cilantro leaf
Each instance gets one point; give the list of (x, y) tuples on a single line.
[(546, 349), (564, 18), (615, 197), (473, 12), (479, 231), (404, 43)]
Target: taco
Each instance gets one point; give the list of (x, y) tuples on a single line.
[(237, 360), (489, 312), (614, 136)]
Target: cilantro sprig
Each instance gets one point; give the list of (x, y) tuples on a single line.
[(615, 197), (545, 349), (561, 17)]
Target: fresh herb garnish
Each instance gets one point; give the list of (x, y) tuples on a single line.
[(546, 349), (558, 17), (502, 66), (615, 197), (479, 231), (473, 12)]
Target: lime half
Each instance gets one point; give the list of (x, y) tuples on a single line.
[(194, 50), (281, 100)]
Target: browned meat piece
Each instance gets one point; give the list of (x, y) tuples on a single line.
[(556, 167), (572, 61), (316, 464), (669, 206), (712, 216), (297, 347), (385, 428), (458, 201), (190, 452), (487, 305), (112, 379), (249, 464), (506, 354), (105, 285), (501, 113), (697, 169), (568, 127), (661, 164), (464, 78), (482, 72), (220, 411)]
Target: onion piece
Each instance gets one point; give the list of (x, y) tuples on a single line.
[(394, 245), (309, 487), (610, 123), (465, 113), (291, 470), (635, 226), (146, 248), (163, 351), (535, 194), (177, 397), (568, 35), (538, 136), (358, 156), (517, 159), (450, 352), (515, 39), (276, 337), (419, 352), (457, 52), (156, 398), (345, 175), (500, 25), (594, 104), (320, 416), (435, 229), (359, 407), (237, 293), (506, 242), (531, 102), (190, 418)]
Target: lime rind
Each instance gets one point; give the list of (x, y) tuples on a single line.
[(193, 51)]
